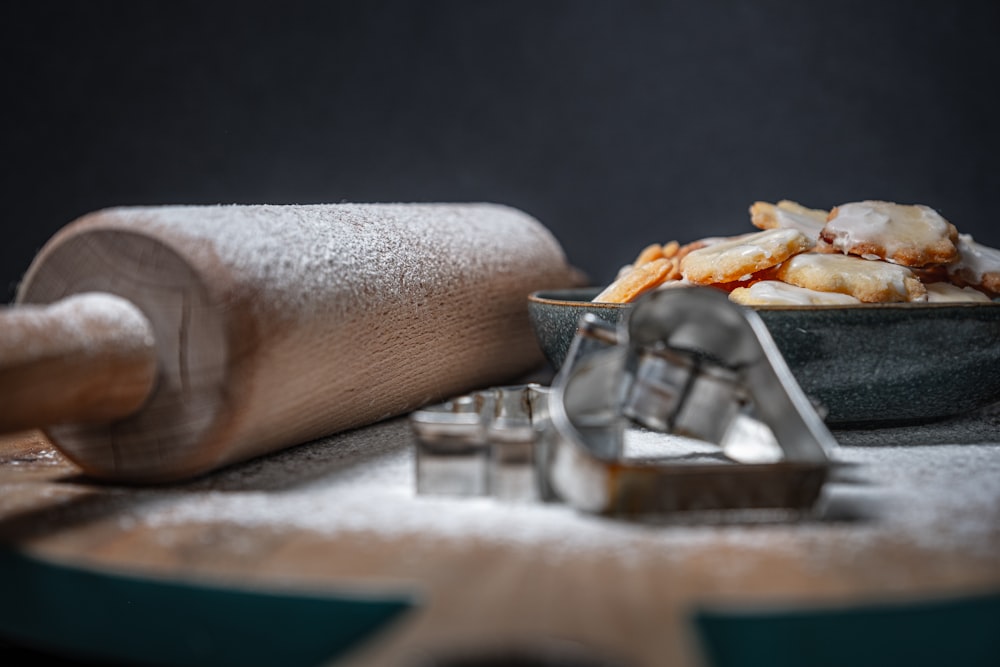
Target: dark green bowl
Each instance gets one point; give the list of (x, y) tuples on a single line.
[(867, 363)]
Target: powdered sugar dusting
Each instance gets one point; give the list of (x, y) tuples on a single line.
[(358, 252), (88, 324), (935, 497)]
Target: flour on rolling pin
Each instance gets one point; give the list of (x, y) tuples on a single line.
[(395, 253), (88, 322), (87, 358), (275, 325)]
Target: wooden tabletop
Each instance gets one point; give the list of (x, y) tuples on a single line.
[(914, 515)]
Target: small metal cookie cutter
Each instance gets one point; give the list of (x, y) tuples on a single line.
[(484, 443), (684, 361)]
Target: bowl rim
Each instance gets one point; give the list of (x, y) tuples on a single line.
[(565, 297), (578, 296)]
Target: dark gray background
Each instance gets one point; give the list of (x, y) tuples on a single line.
[(615, 123)]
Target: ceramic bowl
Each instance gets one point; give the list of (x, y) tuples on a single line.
[(863, 364)]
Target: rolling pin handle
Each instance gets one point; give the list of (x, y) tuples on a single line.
[(86, 358)]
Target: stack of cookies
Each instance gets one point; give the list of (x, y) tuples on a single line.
[(860, 252)]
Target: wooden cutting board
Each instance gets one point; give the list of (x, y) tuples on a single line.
[(915, 518)]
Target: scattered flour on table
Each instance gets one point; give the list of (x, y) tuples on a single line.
[(939, 497)]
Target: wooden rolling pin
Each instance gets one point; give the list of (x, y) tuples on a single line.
[(176, 340)]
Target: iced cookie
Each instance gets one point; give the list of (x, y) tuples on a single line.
[(633, 283), (788, 215), (776, 293), (738, 258), (867, 280), (911, 235), (949, 293), (977, 265)]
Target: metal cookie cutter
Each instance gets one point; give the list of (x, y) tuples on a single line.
[(684, 361), (483, 444)]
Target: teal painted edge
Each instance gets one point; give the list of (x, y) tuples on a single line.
[(96, 615), (962, 631)]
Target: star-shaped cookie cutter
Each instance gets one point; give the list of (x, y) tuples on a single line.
[(686, 362)]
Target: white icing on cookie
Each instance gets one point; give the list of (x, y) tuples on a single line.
[(974, 260), (777, 293), (740, 257), (913, 235), (869, 281), (948, 293), (808, 225)]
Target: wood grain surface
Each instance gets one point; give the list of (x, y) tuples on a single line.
[(915, 516)]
